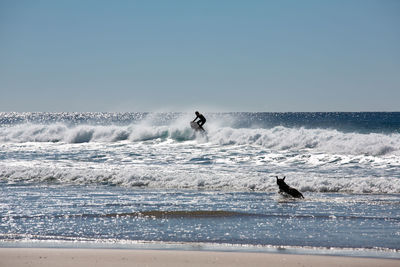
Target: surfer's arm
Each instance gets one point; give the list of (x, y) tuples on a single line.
[(195, 118)]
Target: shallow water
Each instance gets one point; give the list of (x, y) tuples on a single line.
[(109, 213)]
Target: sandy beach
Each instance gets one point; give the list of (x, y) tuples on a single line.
[(13, 257)]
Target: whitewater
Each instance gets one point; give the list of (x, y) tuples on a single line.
[(241, 151)]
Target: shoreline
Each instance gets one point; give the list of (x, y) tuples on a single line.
[(373, 253), (66, 257)]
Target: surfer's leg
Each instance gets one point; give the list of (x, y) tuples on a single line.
[(200, 123)]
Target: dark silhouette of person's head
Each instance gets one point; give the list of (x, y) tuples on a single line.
[(197, 113)]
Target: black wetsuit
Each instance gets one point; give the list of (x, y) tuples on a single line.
[(201, 121)]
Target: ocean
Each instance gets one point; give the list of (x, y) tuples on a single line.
[(140, 180)]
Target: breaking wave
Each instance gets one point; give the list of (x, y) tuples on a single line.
[(89, 133), (171, 178), (276, 138), (320, 140)]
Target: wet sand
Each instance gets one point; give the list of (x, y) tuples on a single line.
[(13, 257)]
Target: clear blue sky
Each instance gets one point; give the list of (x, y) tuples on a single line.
[(81, 55)]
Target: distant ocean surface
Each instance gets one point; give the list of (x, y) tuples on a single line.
[(128, 179)]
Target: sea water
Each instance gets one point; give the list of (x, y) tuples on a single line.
[(148, 180)]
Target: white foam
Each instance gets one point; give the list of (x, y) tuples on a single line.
[(193, 175), (320, 140), (172, 156), (277, 138)]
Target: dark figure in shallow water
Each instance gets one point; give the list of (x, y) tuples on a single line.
[(201, 120), (284, 188)]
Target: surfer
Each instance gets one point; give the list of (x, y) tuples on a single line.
[(201, 120)]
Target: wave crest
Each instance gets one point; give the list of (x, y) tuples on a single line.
[(89, 133), (191, 179), (320, 140), (277, 138)]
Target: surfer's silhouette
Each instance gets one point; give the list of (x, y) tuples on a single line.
[(201, 120)]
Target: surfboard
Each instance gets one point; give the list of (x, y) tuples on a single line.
[(195, 126)]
